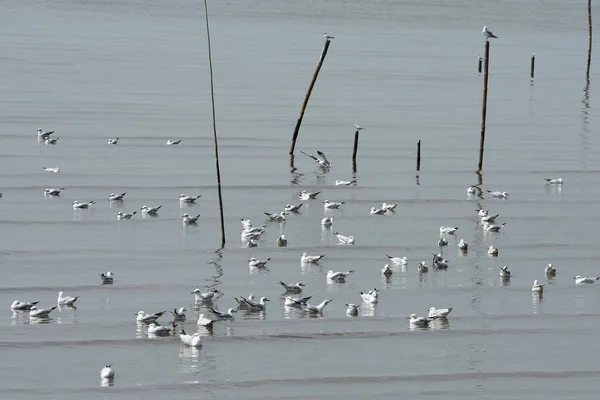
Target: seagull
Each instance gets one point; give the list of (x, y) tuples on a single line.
[(398, 260), (107, 372), (389, 207), (421, 322), (292, 208), (442, 242), (156, 329), (296, 301), (188, 199), (122, 215), (352, 309), (554, 181), (582, 280), (307, 259), (170, 142), (537, 288), (246, 223), (327, 221), (482, 213), (53, 192), (386, 271), (116, 197), (471, 190), (338, 276), (489, 218), (448, 230), (179, 315), (224, 315), (321, 159), (282, 241), (204, 297), (203, 321), (358, 127), (43, 135), (498, 195), (276, 217), (344, 183), (312, 309), (113, 141), (377, 211), (550, 270), (148, 318), (34, 312), (462, 245), (243, 303), (190, 340), (51, 140), (439, 262), (150, 210), (371, 297), (78, 205), (327, 37), (422, 268), (107, 278), (190, 220), (54, 170), (332, 204), (254, 263), (488, 34), (344, 239), (439, 312), (65, 300), (494, 228), (22, 306), (260, 306), (492, 251), (304, 195), (293, 288), (504, 272)]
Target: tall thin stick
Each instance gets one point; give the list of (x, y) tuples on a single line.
[(589, 60), (309, 91), (486, 62), (532, 71), (419, 155), (214, 118)]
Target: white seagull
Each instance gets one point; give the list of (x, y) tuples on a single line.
[(494, 228), (34, 312), (492, 251), (583, 280), (116, 197), (377, 211), (171, 142), (190, 220), (387, 271), (53, 192), (488, 34), (358, 127), (537, 288), (51, 140), (328, 37), (43, 135), (113, 141), (422, 268), (439, 312), (332, 205), (304, 195), (442, 242), (65, 300), (54, 170), (188, 199), (504, 272), (107, 278), (179, 315), (148, 318), (327, 221), (462, 245), (276, 217), (121, 215), (77, 205), (292, 288), (471, 190), (344, 239), (421, 322), (554, 181), (344, 183), (292, 208), (243, 303), (550, 270), (352, 309), (254, 263), (338, 276), (447, 230), (150, 210), (22, 306), (308, 259), (200, 297), (290, 301), (282, 241), (398, 260), (312, 309), (107, 372), (321, 159), (190, 340), (370, 297), (156, 329), (224, 315), (489, 218), (498, 195), (260, 306), (389, 207), (203, 321)]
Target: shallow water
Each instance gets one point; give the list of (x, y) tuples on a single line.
[(406, 71)]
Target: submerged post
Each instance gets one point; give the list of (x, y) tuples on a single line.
[(355, 150), (309, 91), (484, 102), (589, 60), (532, 65), (212, 97), (419, 155)]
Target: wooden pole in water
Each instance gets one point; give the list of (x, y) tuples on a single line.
[(484, 102), (418, 155), (212, 97), (479, 60), (309, 91), (532, 65), (355, 150), (589, 60)]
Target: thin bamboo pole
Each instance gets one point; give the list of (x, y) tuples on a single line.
[(486, 62)]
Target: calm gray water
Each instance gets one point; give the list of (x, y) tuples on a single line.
[(406, 70)]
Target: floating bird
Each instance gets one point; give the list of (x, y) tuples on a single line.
[(78, 205), (43, 135), (290, 301), (107, 278), (504, 272), (308, 259), (358, 127), (312, 309), (204, 297), (442, 242), (439, 262), (554, 181), (53, 192), (398, 260), (304, 195), (352, 309), (389, 207), (224, 315), (51, 140), (254, 263), (34, 312), (116, 197), (489, 218), (550, 270), (439, 312), (122, 215), (471, 190), (583, 280), (321, 159), (327, 37), (148, 318), (498, 195), (371, 297), (492, 251), (22, 306), (156, 329), (332, 205), (386, 271), (190, 340), (171, 142), (113, 141), (260, 306), (276, 217), (190, 220), (488, 34), (344, 183), (421, 322), (327, 221), (446, 230), (150, 210), (107, 372), (179, 315), (282, 241), (494, 228), (422, 268), (338, 276), (65, 300), (243, 302), (203, 321), (537, 288), (377, 211), (344, 239), (462, 245), (54, 170), (293, 288), (293, 208), (188, 199)]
